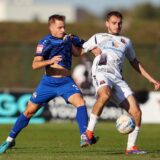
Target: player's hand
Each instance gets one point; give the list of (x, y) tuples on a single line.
[(55, 59), (68, 35), (156, 85), (65, 36), (96, 51)]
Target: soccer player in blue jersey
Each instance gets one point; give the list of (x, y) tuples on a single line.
[(54, 53)]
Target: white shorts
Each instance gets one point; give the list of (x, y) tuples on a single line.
[(120, 89)]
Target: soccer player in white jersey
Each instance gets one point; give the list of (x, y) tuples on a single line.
[(107, 77)]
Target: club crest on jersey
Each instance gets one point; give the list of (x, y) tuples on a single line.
[(123, 41), (39, 48), (115, 44), (102, 82)]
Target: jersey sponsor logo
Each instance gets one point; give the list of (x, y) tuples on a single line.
[(39, 48), (101, 69)]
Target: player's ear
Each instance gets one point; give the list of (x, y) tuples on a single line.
[(106, 24), (50, 28)]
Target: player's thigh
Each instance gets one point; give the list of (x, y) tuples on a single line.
[(100, 81), (76, 100), (121, 91), (43, 93), (130, 105), (31, 109), (104, 93), (71, 93)]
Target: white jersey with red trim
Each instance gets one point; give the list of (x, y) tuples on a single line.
[(114, 50)]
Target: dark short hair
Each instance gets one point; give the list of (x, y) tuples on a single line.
[(114, 13), (54, 17)]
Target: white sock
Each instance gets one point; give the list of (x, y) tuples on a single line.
[(132, 137), (9, 139), (92, 122)]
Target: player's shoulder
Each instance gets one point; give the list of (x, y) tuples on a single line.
[(125, 39), (45, 39)]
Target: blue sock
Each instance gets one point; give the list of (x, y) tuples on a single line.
[(82, 118), (21, 122)]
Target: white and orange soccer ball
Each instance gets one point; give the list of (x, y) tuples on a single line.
[(125, 124)]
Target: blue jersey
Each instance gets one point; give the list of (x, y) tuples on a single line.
[(50, 46), (51, 87)]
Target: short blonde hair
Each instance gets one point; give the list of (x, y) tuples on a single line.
[(54, 17)]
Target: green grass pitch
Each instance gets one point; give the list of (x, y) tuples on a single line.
[(60, 141)]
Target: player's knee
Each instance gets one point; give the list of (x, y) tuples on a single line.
[(76, 100), (30, 110), (79, 103), (28, 114)]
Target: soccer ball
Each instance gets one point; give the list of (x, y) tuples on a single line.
[(125, 124)]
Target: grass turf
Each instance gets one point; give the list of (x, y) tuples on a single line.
[(60, 141)]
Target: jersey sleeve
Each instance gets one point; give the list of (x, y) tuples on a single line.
[(43, 47), (90, 44), (77, 41), (130, 52)]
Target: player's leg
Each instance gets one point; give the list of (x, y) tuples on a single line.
[(82, 119), (124, 96), (72, 94), (24, 119), (81, 116), (103, 87), (103, 96), (21, 122), (131, 106), (42, 94)]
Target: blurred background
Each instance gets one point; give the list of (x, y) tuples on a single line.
[(24, 22)]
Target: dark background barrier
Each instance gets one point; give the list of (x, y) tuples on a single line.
[(14, 103)]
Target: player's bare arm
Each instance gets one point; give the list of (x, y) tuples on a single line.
[(53, 69), (139, 68), (39, 62)]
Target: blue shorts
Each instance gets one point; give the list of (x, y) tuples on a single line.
[(51, 87)]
